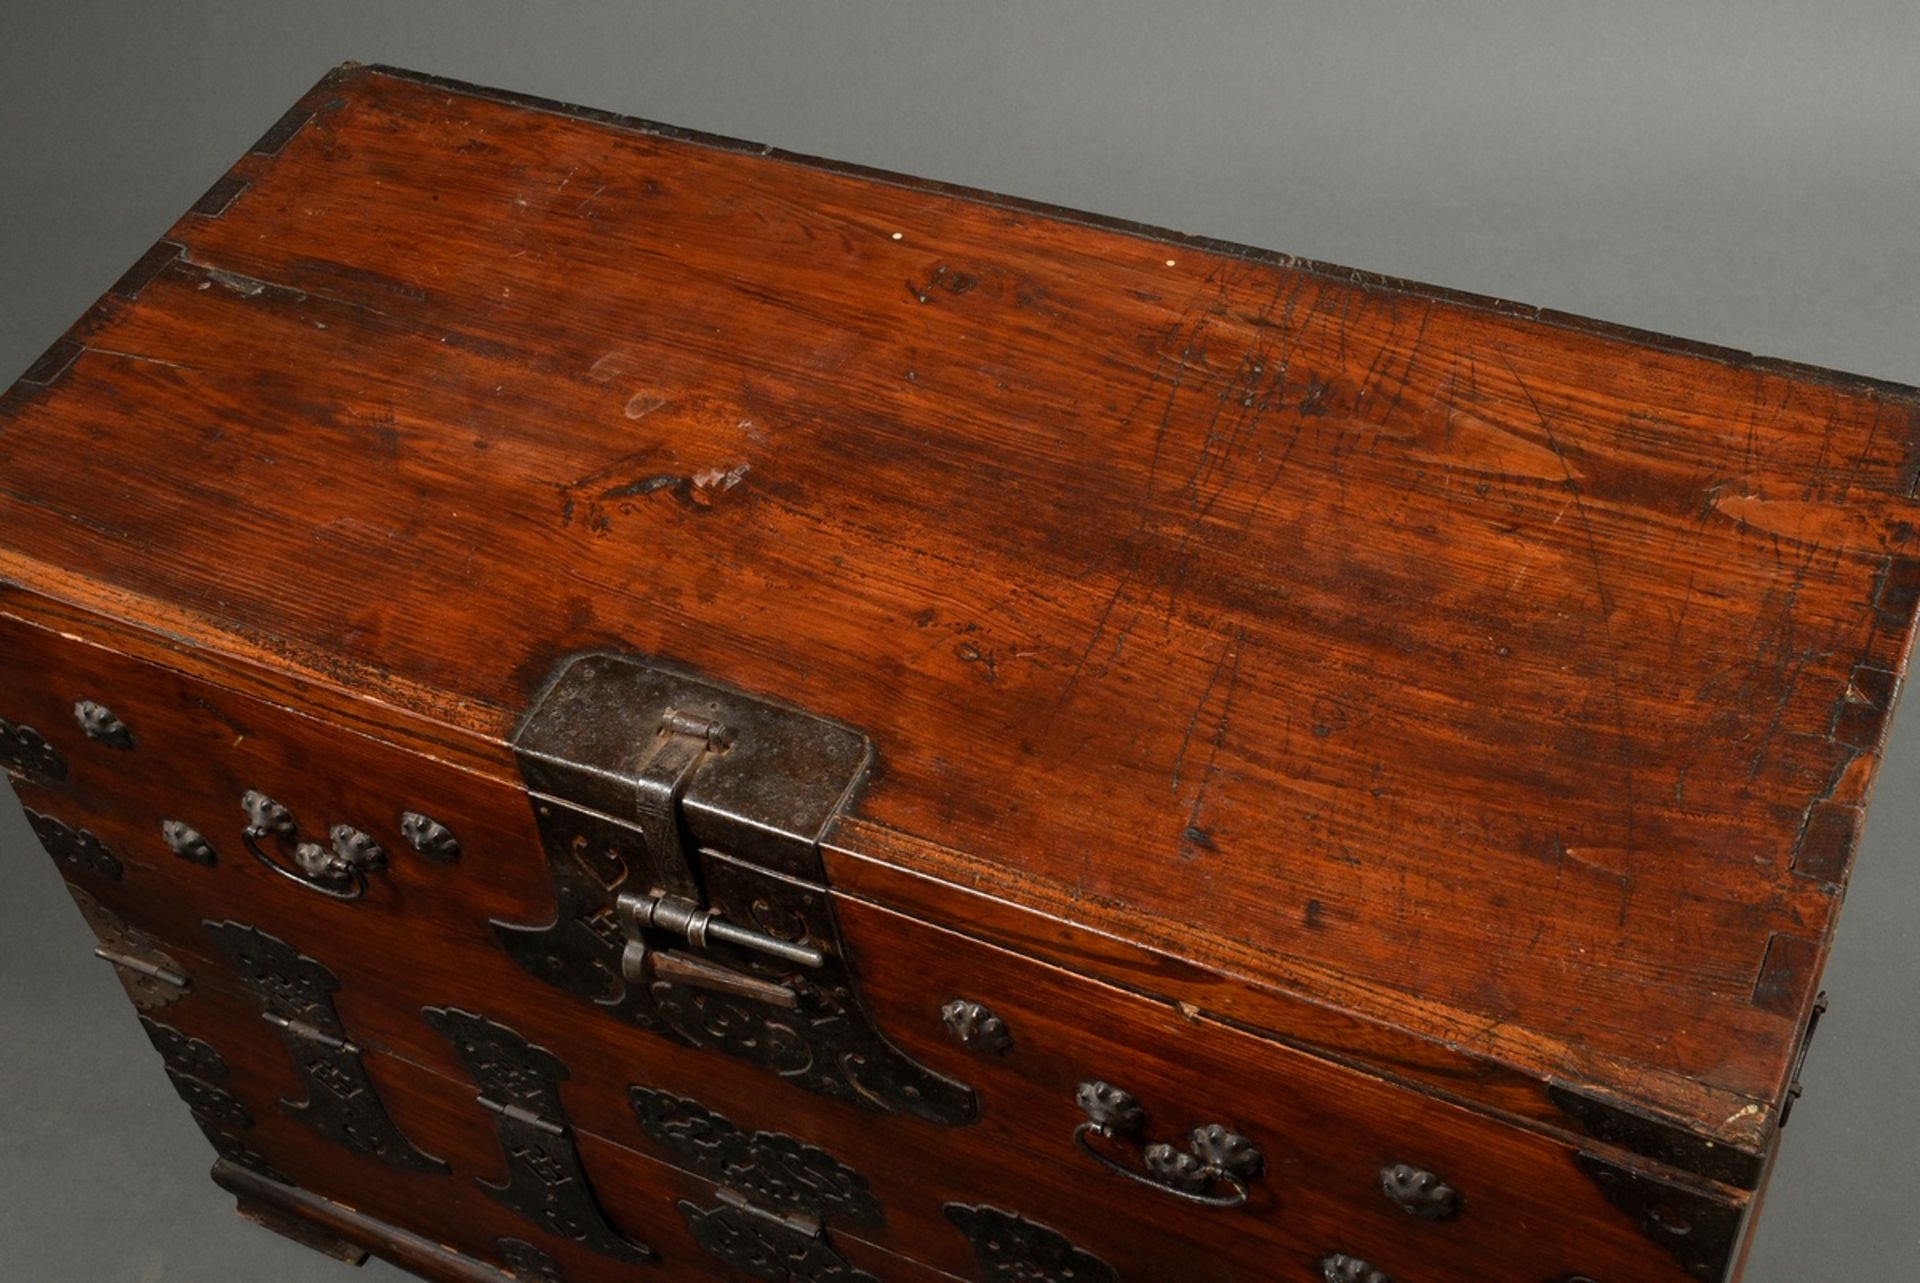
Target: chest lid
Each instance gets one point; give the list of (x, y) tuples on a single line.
[(1381, 663)]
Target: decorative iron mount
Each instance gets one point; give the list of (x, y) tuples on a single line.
[(295, 994), (776, 1193), (520, 1086), (681, 822), (1700, 1230), (765, 1167), (150, 976), (1009, 1248), (199, 1074)]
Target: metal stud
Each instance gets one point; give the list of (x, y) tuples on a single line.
[(1338, 1267), (976, 1028), (101, 724), (1419, 1192), (429, 837), (186, 842)]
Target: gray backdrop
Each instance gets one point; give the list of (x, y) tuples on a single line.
[(1745, 174)]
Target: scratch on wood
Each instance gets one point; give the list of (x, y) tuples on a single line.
[(1195, 833), (135, 356), (1606, 605), (1099, 631)]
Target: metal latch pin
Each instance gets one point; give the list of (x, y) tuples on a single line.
[(698, 925)]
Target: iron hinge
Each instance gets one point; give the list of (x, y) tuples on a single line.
[(520, 1085), (310, 1033), (749, 1238), (801, 1223), (140, 966), (521, 1114)]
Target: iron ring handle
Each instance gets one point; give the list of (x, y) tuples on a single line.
[(1214, 1155), (339, 873), (1235, 1199), (356, 888)]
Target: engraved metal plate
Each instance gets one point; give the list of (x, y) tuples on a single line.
[(188, 843), (527, 1263), (976, 1028), (102, 724), (767, 1245), (1419, 1192), (26, 753), (150, 976), (520, 1084), (664, 799), (429, 837), (1012, 1249), (196, 1070), (1214, 1169), (1701, 1232), (769, 1168), (1339, 1267), (296, 994), (76, 848)]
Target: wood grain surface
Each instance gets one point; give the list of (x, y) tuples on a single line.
[(1502, 679)]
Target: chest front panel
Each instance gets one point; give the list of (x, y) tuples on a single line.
[(393, 1005)]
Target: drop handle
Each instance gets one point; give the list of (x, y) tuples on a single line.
[(1214, 1169), (338, 870)]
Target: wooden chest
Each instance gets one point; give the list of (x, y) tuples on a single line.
[(630, 706)]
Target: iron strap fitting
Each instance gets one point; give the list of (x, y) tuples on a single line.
[(681, 746), (683, 823)]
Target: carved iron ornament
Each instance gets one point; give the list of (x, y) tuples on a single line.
[(26, 753), (976, 1028), (102, 725), (296, 994)]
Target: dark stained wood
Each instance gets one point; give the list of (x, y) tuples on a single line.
[(422, 936), (451, 1210), (1288, 684), (301, 1217)]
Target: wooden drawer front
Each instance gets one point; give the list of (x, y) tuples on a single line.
[(1329, 1136), (421, 937), (243, 1083)]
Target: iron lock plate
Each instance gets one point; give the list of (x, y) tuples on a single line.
[(765, 793), (681, 822)]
